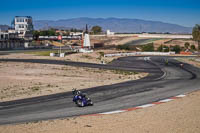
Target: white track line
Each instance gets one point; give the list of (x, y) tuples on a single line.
[(166, 100), (113, 112), (181, 96), (140, 107), (146, 106)]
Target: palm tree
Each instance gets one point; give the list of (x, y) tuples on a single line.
[(196, 34)]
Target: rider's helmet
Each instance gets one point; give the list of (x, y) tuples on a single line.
[(78, 92), (181, 64), (74, 91)]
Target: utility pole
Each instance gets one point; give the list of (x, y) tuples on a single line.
[(60, 38)]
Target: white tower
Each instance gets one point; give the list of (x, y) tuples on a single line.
[(86, 45), (87, 41)]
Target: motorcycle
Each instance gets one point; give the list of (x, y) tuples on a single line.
[(80, 99), (181, 65)]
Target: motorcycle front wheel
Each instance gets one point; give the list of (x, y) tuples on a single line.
[(90, 103), (80, 103)]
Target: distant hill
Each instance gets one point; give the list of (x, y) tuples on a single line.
[(114, 24), (4, 27)]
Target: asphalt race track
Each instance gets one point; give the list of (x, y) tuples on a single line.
[(163, 82)]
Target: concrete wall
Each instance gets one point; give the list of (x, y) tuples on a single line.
[(139, 53), (171, 36), (164, 36), (11, 44)]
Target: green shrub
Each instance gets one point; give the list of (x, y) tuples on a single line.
[(192, 47), (101, 54), (176, 49), (187, 44), (148, 47), (163, 48), (123, 47)]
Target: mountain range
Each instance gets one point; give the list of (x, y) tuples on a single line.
[(4, 27), (121, 25)]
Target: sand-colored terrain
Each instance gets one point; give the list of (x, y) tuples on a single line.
[(95, 57), (23, 80), (157, 43), (181, 42), (179, 116)]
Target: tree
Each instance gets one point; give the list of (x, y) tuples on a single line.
[(51, 32), (176, 49), (196, 34), (160, 48), (192, 47), (96, 29), (123, 47), (163, 48), (36, 34), (187, 44)]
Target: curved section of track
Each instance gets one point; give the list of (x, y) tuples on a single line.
[(162, 82)]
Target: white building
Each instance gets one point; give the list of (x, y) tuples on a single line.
[(8, 35), (110, 33), (4, 36), (23, 25), (76, 33)]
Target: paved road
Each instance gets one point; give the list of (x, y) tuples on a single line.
[(140, 41), (6, 52), (162, 82)]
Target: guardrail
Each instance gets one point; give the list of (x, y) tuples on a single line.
[(139, 53)]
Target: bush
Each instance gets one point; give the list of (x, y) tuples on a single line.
[(176, 49), (160, 48), (135, 47), (123, 47), (163, 48), (187, 44), (192, 47), (148, 47), (101, 54)]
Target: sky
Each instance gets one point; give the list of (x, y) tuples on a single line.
[(182, 12)]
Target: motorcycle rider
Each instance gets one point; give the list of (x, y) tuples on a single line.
[(166, 62), (79, 93), (181, 65)]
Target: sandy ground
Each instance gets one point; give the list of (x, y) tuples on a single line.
[(179, 116), (22, 80), (94, 57), (157, 43), (181, 42)]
